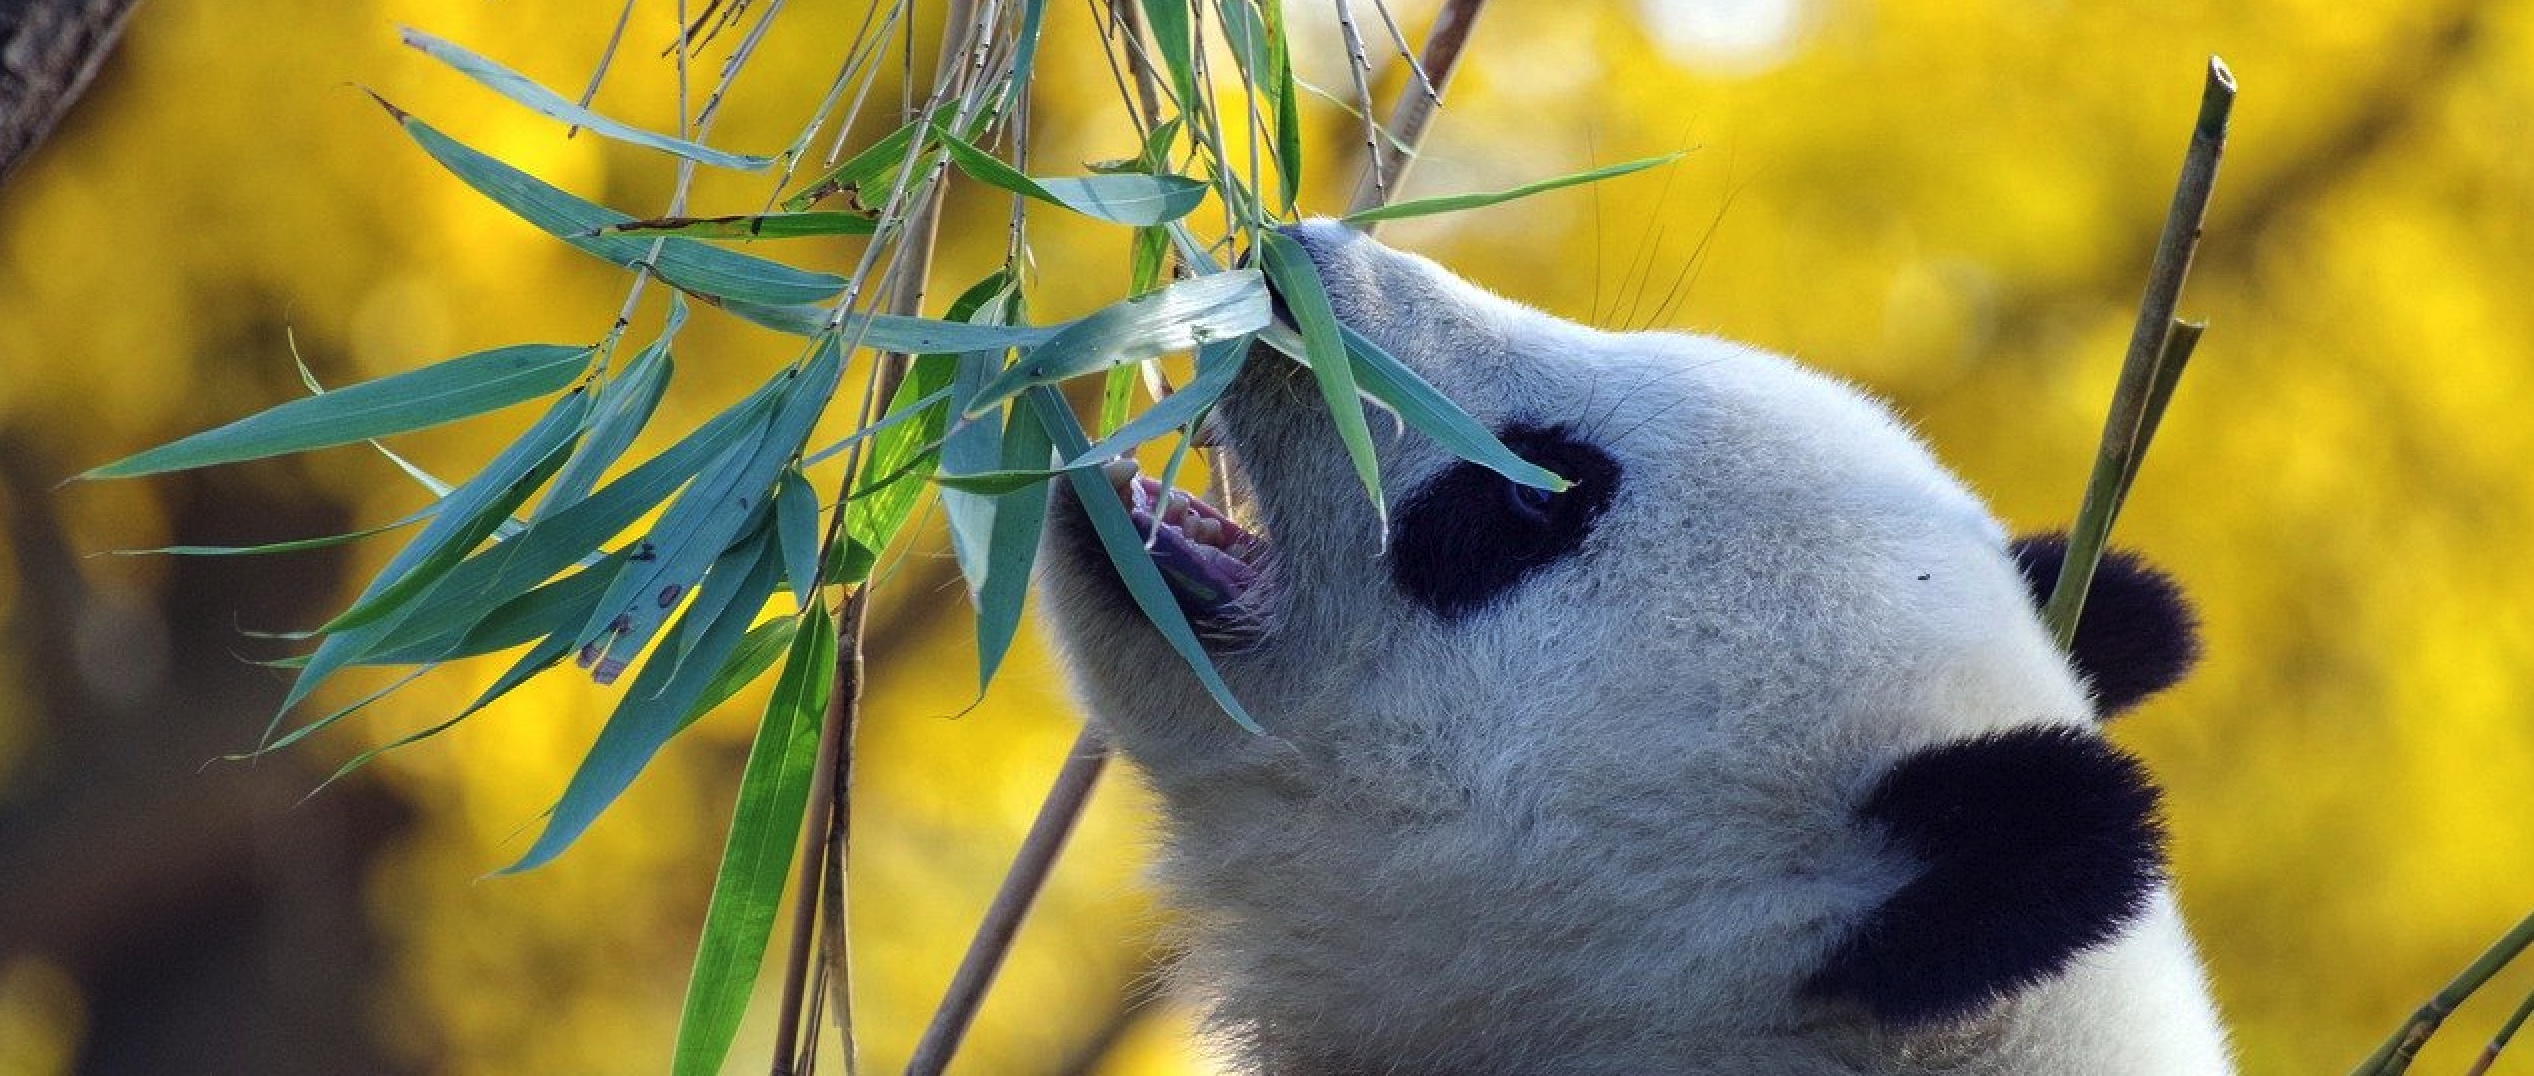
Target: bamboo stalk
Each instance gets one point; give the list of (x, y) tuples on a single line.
[(2395, 1056), (1418, 103), (2137, 397)]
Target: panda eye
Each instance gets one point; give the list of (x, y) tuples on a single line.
[(1469, 536), (1530, 503)]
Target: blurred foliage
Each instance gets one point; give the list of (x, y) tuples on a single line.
[(1949, 202)]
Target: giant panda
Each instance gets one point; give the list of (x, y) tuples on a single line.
[(1746, 754)]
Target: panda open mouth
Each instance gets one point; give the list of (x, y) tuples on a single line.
[(1211, 562)]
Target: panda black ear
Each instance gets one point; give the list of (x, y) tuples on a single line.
[(2137, 636), (2032, 845)]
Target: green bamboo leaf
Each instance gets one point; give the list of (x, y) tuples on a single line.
[(1126, 551), (662, 696), (1433, 414), (560, 605), (545, 102), (1120, 198), (449, 612), (886, 422), (989, 302), (703, 270), (1287, 145), (471, 511), (1169, 23), (796, 524), (971, 445), (625, 406), (1217, 364), (750, 226), (725, 498), (748, 889), (997, 482), (292, 546), (442, 392), (1176, 318), (756, 653), (272, 743), (857, 171), (1452, 203), (1012, 545), (1297, 280), (902, 458)]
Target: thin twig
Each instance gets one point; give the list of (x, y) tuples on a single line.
[(1360, 67), (1021, 884), (2115, 457), (606, 58), (1415, 110), (2499, 1042), (1128, 17), (2396, 1054)]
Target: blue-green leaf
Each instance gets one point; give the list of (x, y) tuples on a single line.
[(1217, 364), (715, 509), (750, 227), (1126, 551), (1013, 544), (661, 698), (890, 332), (469, 513), (1451, 203), (1182, 316), (442, 392), (291, 546), (706, 271), (1125, 198), (625, 406), (1298, 281), (545, 102), (748, 889), (796, 524)]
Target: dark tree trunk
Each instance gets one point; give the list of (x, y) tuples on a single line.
[(48, 51)]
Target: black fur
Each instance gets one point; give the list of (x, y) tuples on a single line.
[(2036, 844), (2137, 636), (1470, 535)]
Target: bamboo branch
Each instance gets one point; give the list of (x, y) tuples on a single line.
[(1030, 867), (1418, 102), (2138, 397), (2395, 1056)]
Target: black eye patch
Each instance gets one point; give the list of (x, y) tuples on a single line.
[(1470, 535)]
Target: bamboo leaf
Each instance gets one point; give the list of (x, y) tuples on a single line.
[(1119, 198), (1012, 545), (442, 392), (756, 653), (291, 546), (1217, 364), (796, 525), (703, 270), (560, 605), (1453, 203), (885, 155), (749, 227), (489, 579), (545, 102), (471, 511), (1176, 318), (716, 508), (748, 889), (1126, 551), (658, 703), (903, 456), (1297, 280), (538, 660), (625, 406), (1287, 145)]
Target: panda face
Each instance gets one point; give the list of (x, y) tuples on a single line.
[(1748, 745)]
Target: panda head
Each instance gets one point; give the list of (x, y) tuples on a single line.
[(1758, 707)]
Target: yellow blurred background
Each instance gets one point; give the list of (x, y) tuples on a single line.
[(1949, 201)]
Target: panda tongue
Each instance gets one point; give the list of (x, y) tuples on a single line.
[(1199, 550)]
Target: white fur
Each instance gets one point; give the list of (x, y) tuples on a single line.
[(1605, 825)]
